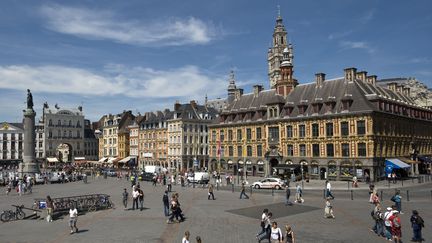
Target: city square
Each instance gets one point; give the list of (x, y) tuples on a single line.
[(226, 219), (229, 121)]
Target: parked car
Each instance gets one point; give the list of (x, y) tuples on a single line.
[(275, 183), (110, 172), (54, 177), (199, 177), (146, 176)]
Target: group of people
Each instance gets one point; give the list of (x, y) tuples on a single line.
[(387, 223), (137, 197), (186, 238), (172, 209), (22, 186), (271, 232), (298, 195)]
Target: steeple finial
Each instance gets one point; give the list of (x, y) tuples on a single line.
[(231, 77), (279, 12)]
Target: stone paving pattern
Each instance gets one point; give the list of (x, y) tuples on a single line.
[(226, 219)]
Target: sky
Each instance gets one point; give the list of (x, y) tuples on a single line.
[(111, 56)]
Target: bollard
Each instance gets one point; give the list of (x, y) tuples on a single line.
[(412, 180), (381, 195), (232, 185), (352, 195), (217, 186), (272, 191), (388, 183), (251, 190), (407, 195), (324, 193), (402, 182)]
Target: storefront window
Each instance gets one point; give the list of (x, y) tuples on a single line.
[(332, 170), (314, 168), (346, 169)]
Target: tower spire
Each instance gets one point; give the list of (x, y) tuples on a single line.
[(231, 87), (279, 12)]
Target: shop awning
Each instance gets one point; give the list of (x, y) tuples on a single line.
[(79, 158), (52, 160), (112, 160), (125, 159), (103, 160), (393, 163), (410, 161)]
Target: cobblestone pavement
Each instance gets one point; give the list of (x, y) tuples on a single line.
[(226, 219)]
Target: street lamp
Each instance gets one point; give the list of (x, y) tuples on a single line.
[(301, 165)]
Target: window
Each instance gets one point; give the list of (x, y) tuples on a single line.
[(230, 151), (361, 128), (239, 134), (361, 149), (40, 136), (258, 133), (239, 151), (330, 150), (248, 134), (249, 151), (315, 130), (345, 150), (213, 136), (302, 131), (230, 135), (290, 150), (259, 150), (222, 135), (329, 129), (289, 131), (344, 129), (302, 150), (214, 151), (274, 134), (315, 150)]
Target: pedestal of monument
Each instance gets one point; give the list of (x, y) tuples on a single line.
[(29, 165)]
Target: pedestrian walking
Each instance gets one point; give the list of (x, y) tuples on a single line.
[(275, 234), (170, 178), (50, 208), (186, 237), (73, 217), (376, 214), (9, 188), (210, 192), (263, 221), (267, 231), (299, 194), (387, 222), (417, 223), (141, 198), (289, 234), (125, 195), (165, 200), (397, 199), (396, 227), (328, 190), (328, 210), (135, 196), (243, 191), (287, 195), (198, 239)]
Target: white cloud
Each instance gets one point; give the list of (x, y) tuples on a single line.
[(339, 35), (136, 82), (356, 45), (367, 16), (104, 25)]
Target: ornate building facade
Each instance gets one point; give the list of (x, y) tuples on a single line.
[(333, 129), (11, 142)]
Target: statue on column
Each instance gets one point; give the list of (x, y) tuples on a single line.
[(29, 99)]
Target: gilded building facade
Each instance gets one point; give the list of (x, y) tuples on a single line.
[(333, 129)]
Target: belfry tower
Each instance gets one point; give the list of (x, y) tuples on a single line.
[(275, 52)]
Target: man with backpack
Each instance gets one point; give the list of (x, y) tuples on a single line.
[(417, 223), (377, 216), (397, 199), (387, 222), (396, 227)]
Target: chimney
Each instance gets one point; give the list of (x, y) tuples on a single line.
[(319, 78), (372, 79), (362, 76), (257, 89), (406, 91), (350, 73), (177, 105), (392, 86), (238, 93), (193, 104)]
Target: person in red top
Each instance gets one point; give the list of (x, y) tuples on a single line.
[(396, 227)]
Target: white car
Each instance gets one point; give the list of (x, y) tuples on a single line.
[(275, 183), (199, 177)]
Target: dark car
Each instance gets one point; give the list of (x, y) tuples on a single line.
[(146, 176)]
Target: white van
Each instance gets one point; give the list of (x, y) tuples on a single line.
[(200, 178), (153, 169)]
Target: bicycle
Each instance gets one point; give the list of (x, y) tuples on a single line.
[(18, 214)]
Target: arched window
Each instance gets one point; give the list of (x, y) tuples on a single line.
[(50, 122), (70, 123)]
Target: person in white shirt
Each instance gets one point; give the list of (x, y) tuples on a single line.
[(73, 216), (186, 237), (276, 233), (135, 195), (328, 190)]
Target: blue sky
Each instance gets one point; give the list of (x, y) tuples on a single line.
[(110, 56)]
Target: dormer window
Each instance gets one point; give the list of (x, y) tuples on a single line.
[(316, 107), (273, 112)]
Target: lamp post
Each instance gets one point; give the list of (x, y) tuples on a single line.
[(301, 165)]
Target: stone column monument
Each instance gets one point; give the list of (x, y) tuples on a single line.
[(29, 165)]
